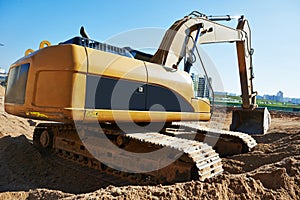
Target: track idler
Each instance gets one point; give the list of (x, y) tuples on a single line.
[(256, 121)]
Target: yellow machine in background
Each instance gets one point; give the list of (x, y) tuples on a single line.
[(83, 80)]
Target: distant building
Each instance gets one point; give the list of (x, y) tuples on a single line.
[(295, 101), (232, 94), (270, 97), (195, 78), (201, 85), (220, 93), (287, 100), (279, 96), (3, 77), (259, 97)]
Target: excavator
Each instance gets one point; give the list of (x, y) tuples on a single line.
[(129, 113)]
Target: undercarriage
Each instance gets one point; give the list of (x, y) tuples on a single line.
[(179, 152)]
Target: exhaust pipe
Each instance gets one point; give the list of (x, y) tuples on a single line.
[(224, 18), (255, 121)]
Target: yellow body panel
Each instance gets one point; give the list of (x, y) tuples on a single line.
[(56, 86), (175, 80), (111, 65)]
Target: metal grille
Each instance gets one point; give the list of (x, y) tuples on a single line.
[(98, 45)]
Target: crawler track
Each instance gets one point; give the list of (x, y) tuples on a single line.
[(226, 143), (105, 179), (189, 159)]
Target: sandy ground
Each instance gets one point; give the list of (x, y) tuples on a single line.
[(271, 171)]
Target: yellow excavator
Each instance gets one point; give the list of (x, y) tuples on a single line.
[(98, 97)]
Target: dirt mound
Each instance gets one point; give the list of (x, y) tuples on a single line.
[(276, 181), (14, 126), (266, 152), (22, 168), (270, 171), (2, 91)]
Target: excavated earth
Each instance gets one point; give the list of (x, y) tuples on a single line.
[(270, 171)]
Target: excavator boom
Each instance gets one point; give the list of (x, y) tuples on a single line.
[(181, 39)]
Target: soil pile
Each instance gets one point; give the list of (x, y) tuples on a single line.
[(270, 171), (2, 91), (12, 125)]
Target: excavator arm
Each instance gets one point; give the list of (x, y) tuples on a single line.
[(180, 41)]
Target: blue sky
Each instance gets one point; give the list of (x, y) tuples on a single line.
[(275, 29)]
